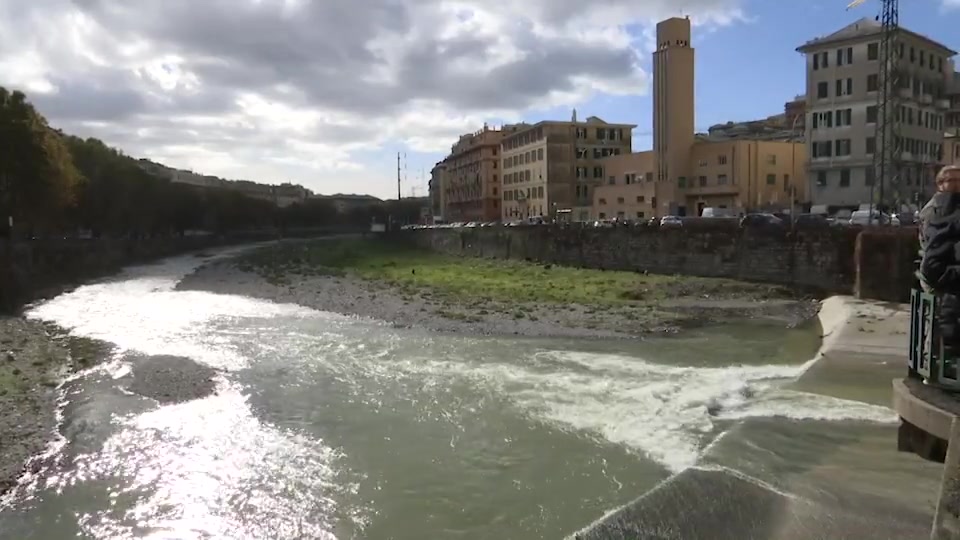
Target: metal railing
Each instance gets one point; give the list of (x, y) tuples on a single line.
[(927, 355)]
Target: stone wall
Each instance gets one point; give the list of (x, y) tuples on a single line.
[(820, 258), (886, 262), (31, 270)]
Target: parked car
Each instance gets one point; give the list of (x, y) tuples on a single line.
[(671, 221), (760, 220)]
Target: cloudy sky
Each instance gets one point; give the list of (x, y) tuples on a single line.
[(326, 92)]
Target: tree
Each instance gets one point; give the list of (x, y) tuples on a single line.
[(38, 180)]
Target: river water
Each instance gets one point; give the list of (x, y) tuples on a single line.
[(325, 426)]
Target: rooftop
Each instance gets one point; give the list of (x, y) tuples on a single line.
[(860, 29)]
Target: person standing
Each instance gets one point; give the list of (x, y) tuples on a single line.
[(939, 230)]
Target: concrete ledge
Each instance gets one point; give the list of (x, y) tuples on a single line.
[(926, 408)]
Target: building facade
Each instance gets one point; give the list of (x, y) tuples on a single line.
[(471, 180), (740, 166), (436, 185), (842, 87), (554, 166)]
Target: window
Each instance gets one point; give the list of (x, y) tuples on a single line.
[(849, 55), (601, 133), (849, 86), (771, 159), (602, 201), (722, 179), (871, 145), (840, 57), (639, 198), (844, 117), (821, 178), (839, 89), (721, 160), (825, 59), (703, 163), (603, 215), (598, 172), (868, 175), (843, 147), (597, 153), (823, 91), (844, 177), (581, 133), (871, 114), (682, 182), (619, 200), (703, 181), (581, 172), (873, 82), (611, 180), (649, 177), (873, 51), (816, 61), (822, 149), (539, 154), (639, 215), (771, 179)]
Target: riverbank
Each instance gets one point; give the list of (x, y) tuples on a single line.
[(414, 288), (31, 365)]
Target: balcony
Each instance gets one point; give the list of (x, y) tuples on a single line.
[(942, 104), (906, 93), (925, 99)]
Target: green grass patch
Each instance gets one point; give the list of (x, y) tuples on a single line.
[(475, 281)]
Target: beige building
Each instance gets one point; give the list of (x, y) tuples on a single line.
[(951, 149), (555, 166), (842, 87), (471, 179), (435, 185), (745, 166)]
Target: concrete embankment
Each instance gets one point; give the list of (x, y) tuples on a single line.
[(827, 479)]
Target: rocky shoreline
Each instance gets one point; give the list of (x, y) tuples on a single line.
[(404, 308)]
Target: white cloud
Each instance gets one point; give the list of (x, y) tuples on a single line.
[(318, 92)]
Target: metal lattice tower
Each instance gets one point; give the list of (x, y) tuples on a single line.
[(887, 157)]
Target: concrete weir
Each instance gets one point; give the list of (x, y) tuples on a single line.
[(826, 496)]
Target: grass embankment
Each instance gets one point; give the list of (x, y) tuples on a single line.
[(477, 286)]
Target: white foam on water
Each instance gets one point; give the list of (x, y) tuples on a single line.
[(141, 311), (665, 412), (209, 469)]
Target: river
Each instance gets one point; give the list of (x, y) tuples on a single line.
[(325, 426)]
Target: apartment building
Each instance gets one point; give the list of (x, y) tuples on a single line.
[(471, 179), (842, 86), (553, 165), (437, 174), (951, 149), (740, 166), (952, 119)]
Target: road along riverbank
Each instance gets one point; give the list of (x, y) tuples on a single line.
[(415, 288)]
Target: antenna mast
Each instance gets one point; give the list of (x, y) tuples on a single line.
[(887, 157), (398, 176)]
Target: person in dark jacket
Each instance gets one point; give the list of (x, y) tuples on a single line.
[(940, 255)]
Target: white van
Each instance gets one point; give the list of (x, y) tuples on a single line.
[(716, 212), (862, 217)]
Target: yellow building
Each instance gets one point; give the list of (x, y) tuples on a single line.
[(555, 166), (684, 172)]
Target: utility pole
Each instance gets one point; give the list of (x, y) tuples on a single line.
[(398, 176), (887, 154)]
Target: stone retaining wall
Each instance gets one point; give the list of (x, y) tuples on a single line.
[(826, 259)]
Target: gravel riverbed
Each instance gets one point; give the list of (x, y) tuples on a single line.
[(428, 310)]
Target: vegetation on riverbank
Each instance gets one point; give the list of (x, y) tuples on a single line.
[(470, 278), (472, 291)]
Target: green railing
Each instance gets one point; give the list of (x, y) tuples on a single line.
[(927, 358)]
